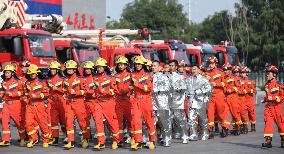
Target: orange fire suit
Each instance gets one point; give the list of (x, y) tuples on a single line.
[(232, 98), (36, 109), (242, 100), (273, 110), (104, 107), (250, 101), (217, 105), (74, 91), (123, 108), (57, 105), (141, 105), (89, 99), (11, 92)]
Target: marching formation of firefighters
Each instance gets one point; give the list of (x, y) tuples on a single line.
[(145, 104)]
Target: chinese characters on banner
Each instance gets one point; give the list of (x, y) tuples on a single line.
[(81, 21)]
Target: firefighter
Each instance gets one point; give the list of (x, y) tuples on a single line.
[(232, 98), (36, 91), (105, 104), (124, 88), (242, 100), (199, 91), (74, 88), (273, 110), (177, 104), (161, 99), (148, 64), (90, 87), (250, 101), (141, 104), (182, 71), (11, 91), (56, 101), (217, 106)]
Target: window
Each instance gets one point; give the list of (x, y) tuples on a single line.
[(7, 45), (41, 45)]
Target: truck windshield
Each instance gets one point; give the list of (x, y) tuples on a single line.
[(205, 58), (41, 45), (193, 58), (156, 54), (87, 54), (233, 59), (181, 55)]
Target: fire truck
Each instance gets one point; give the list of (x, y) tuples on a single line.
[(25, 36), (154, 50), (111, 43), (227, 53)]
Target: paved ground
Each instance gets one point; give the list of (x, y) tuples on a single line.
[(250, 143)]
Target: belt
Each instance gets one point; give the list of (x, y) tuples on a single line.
[(161, 93), (71, 100), (34, 103), (105, 99)]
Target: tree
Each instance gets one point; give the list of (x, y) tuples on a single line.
[(166, 16)]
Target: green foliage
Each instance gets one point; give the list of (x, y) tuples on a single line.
[(166, 16), (256, 28)]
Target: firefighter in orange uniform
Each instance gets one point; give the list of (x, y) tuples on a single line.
[(251, 91), (36, 91), (104, 106), (217, 106), (124, 87), (141, 104), (232, 98), (74, 87), (88, 71), (56, 101), (11, 92), (243, 90), (273, 110)]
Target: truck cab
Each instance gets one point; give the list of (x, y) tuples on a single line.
[(78, 51), (19, 44), (151, 51), (110, 54)]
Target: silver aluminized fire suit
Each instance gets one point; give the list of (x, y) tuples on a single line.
[(199, 91), (178, 96), (161, 97)]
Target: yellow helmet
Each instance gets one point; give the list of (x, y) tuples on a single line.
[(148, 62), (10, 67), (70, 64), (101, 62), (139, 60), (33, 69), (54, 65), (88, 65), (122, 59)]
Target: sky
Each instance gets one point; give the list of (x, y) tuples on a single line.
[(200, 9)]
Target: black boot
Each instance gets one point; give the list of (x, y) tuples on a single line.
[(282, 141), (253, 128), (211, 133), (224, 132), (237, 130), (267, 144), (216, 128)]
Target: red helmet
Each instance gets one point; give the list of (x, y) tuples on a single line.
[(181, 63), (213, 59), (236, 69), (25, 63), (202, 68), (227, 66), (271, 68)]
